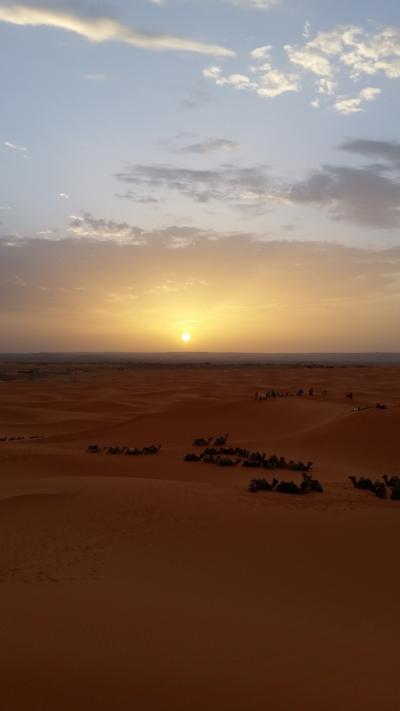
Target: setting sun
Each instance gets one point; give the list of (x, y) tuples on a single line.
[(186, 337)]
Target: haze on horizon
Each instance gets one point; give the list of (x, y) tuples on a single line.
[(228, 169)]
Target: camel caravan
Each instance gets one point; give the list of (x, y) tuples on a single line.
[(130, 451), (18, 438), (275, 394), (217, 441), (379, 488), (307, 486), (220, 455)]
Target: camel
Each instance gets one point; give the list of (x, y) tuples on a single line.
[(230, 451), (94, 449), (309, 485), (210, 459), (394, 481), (395, 495), (361, 483), (226, 462), (192, 457), (376, 487), (262, 485), (240, 452), (380, 490), (251, 463), (153, 449), (220, 441), (201, 442), (288, 487)]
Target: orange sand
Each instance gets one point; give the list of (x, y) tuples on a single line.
[(153, 584)]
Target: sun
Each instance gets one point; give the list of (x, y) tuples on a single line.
[(186, 337)]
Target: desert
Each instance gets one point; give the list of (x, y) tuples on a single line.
[(199, 355), (151, 582)]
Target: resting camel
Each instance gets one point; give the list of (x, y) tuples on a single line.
[(395, 495), (192, 457), (376, 487), (201, 442), (262, 485), (226, 462), (394, 481)]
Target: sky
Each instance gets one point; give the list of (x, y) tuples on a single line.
[(227, 169)]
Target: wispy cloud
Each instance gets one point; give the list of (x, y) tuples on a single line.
[(384, 150), (367, 195), (15, 147), (87, 226), (209, 146), (228, 183), (104, 29)]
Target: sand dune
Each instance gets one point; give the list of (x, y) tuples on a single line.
[(151, 583)]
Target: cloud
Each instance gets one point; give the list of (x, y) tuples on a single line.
[(368, 195), (227, 183), (103, 29), (310, 60), (350, 50), (15, 147), (351, 105), (63, 196), (307, 29), (261, 52), (345, 52), (87, 226), (140, 199), (210, 145), (384, 150), (266, 81), (363, 196)]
